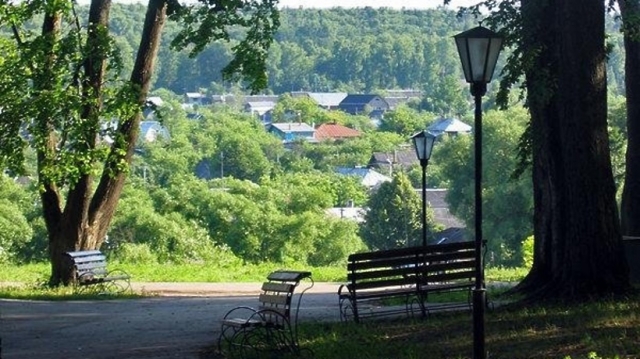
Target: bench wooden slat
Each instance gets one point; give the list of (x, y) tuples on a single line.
[(83, 253), (91, 265), (386, 262), (386, 293), (383, 273), (449, 276), (278, 287), (441, 287), (438, 267), (399, 282), (388, 273), (449, 257), (280, 310), (409, 251), (102, 263), (274, 299)]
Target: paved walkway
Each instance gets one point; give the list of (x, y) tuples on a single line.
[(178, 321)]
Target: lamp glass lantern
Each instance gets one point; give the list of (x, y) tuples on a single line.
[(478, 49), (423, 142)]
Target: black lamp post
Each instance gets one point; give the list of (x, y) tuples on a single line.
[(478, 49), (423, 142)]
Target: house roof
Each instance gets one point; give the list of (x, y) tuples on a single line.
[(449, 125), (151, 130), (261, 107), (395, 101), (370, 178), (154, 100), (324, 99), (451, 235), (402, 157), (334, 131), (261, 98), (357, 99), (358, 103), (437, 199), (328, 99), (195, 95), (292, 127), (404, 93)]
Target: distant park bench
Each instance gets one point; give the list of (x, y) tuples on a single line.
[(90, 273), (407, 274), (269, 329)]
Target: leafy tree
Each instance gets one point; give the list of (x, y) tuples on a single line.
[(335, 243), (296, 109), (15, 230), (507, 201), (392, 219), (404, 121), (617, 117), (170, 236), (578, 250), (62, 85)]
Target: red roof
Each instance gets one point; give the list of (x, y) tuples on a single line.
[(334, 131)]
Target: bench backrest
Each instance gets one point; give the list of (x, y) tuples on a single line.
[(89, 263), (277, 294), (450, 263), (408, 266)]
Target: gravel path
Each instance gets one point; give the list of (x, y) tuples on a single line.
[(179, 322)]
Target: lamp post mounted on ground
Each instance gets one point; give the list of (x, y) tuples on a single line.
[(423, 142), (479, 49)]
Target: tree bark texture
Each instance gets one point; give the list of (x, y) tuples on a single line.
[(578, 249), (630, 206), (83, 223)]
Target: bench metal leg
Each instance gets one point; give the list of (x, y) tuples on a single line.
[(257, 342), (346, 310)]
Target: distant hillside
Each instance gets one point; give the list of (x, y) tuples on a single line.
[(348, 50)]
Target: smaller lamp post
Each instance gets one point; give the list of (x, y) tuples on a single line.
[(478, 49), (423, 142)]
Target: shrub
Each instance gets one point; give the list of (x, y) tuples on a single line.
[(15, 231), (136, 253)]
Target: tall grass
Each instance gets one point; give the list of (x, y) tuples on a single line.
[(167, 272)]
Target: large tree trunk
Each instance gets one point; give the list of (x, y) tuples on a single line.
[(578, 250), (85, 219), (50, 195), (630, 207)]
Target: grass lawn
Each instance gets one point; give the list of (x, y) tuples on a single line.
[(207, 272), (601, 329)]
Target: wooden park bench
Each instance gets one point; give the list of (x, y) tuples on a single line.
[(90, 273), (406, 276), (272, 327)]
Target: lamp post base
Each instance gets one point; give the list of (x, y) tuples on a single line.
[(479, 305)]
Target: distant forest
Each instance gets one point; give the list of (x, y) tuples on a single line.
[(347, 50)]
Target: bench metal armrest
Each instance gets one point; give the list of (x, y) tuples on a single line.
[(348, 292)]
